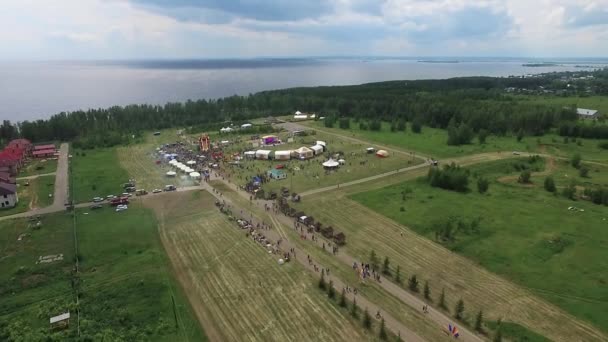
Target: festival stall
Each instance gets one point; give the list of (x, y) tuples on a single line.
[(303, 153), (382, 153), (331, 164)]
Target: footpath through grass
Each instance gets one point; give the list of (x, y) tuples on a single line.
[(125, 284), (38, 167), (523, 233), (96, 172)]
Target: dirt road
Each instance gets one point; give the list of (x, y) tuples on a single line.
[(36, 176)]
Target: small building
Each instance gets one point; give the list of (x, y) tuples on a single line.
[(60, 322), (276, 174), (44, 153), (8, 195), (44, 147), (6, 178), (587, 113), (282, 155), (300, 117), (22, 144)]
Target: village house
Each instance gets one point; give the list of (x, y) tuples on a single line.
[(8, 195)]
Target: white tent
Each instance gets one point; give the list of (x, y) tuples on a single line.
[(247, 125), (322, 143), (317, 149), (298, 112), (173, 162), (191, 162), (382, 153), (226, 130), (195, 175), (300, 117), (171, 174), (341, 161), (330, 164), (250, 154), (188, 170), (262, 154), (282, 155), (303, 153)]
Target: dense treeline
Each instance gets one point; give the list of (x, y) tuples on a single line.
[(577, 130), (451, 177), (473, 104)]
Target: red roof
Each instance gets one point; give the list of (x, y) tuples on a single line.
[(7, 155), (44, 147), (19, 142), (39, 152)]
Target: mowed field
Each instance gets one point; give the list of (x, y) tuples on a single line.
[(432, 142), (525, 233), (461, 277), (38, 167), (238, 290)]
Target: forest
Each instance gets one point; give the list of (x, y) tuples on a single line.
[(477, 103)]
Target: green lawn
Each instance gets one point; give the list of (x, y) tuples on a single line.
[(525, 234), (96, 173), (38, 167), (24, 195), (126, 285), (591, 102), (43, 186), (433, 142)]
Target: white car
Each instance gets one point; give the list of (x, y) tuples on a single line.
[(109, 197), (97, 199), (121, 207), (126, 194), (155, 191)]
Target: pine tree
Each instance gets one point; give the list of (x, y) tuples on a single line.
[(343, 298), (427, 290), (373, 260), (354, 309), (367, 320), (442, 300), (382, 334), (386, 267), (479, 321), (331, 292), (322, 284), (413, 283), (398, 275), (459, 310)]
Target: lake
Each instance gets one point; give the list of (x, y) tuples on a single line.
[(34, 90)]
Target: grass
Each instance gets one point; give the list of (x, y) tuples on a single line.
[(96, 173), (433, 142), (43, 186), (240, 290), (591, 102), (516, 332), (38, 167), (526, 235), (126, 286)]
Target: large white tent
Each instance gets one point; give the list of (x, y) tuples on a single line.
[(282, 155), (250, 154), (330, 164), (171, 174), (317, 149), (191, 162), (303, 153), (322, 143), (195, 175), (262, 154)]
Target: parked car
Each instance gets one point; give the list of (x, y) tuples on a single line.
[(130, 189), (126, 194), (121, 207), (170, 188), (140, 192), (97, 199), (155, 191), (97, 206), (515, 153), (110, 197)]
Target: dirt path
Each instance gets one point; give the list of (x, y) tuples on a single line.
[(416, 303), (36, 176), (549, 169)]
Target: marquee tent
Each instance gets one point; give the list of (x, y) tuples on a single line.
[(331, 164), (191, 162), (282, 155), (341, 161), (250, 154), (171, 174), (317, 149), (322, 143), (382, 153), (195, 175), (247, 125), (262, 154), (303, 153)]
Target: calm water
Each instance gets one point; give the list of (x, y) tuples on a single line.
[(37, 90)]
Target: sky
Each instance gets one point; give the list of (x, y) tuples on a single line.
[(137, 29)]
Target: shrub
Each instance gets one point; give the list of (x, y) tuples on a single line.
[(524, 177), (482, 185), (549, 184)]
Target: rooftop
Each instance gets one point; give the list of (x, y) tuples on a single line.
[(583, 111)]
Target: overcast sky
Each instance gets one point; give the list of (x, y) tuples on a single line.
[(123, 29)]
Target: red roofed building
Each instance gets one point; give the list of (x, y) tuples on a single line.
[(44, 147), (43, 153), (22, 144), (6, 178), (12, 161)]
